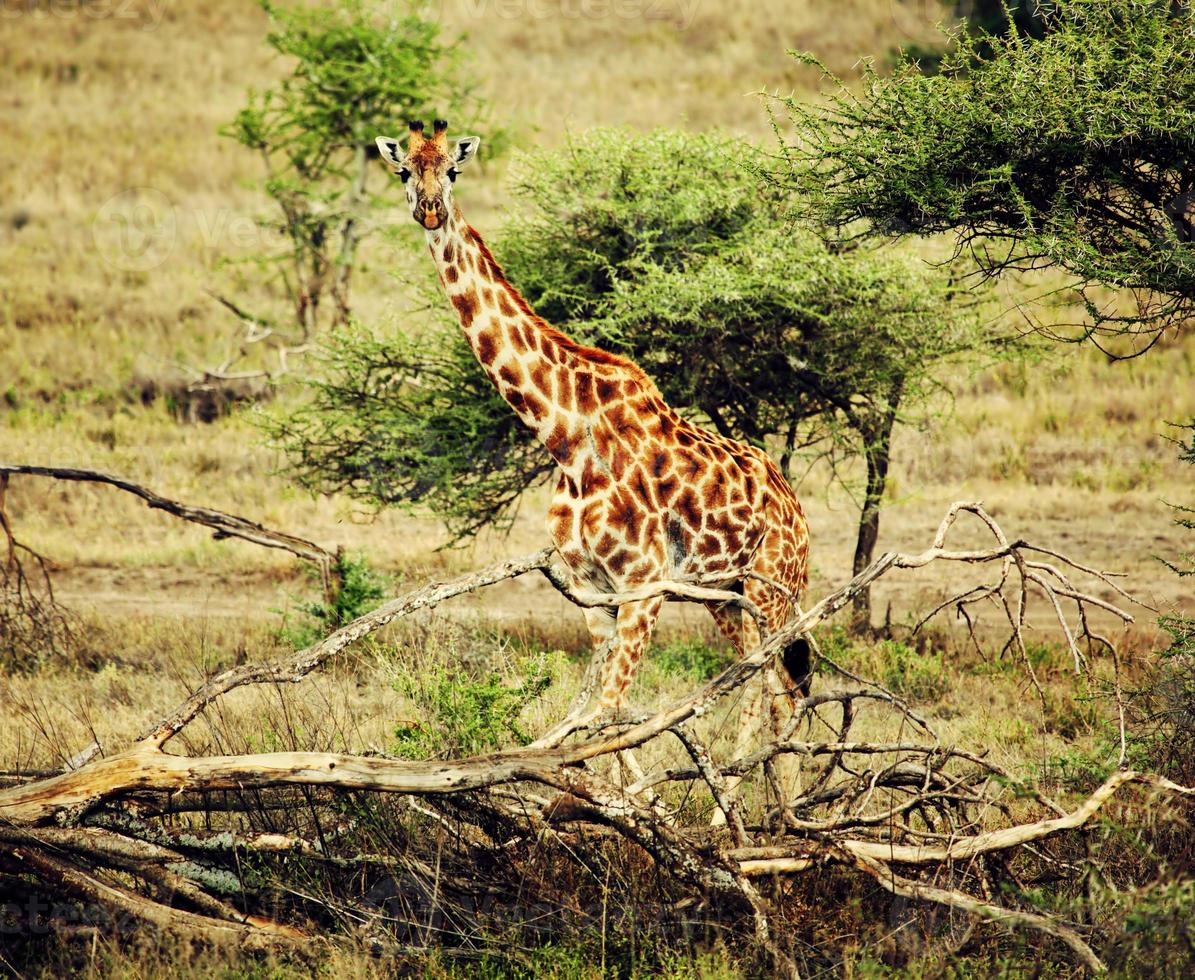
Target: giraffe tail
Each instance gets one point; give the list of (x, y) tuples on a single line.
[(797, 659)]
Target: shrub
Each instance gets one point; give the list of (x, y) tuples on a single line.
[(1158, 937), (358, 590), (692, 659), (459, 715), (914, 675)]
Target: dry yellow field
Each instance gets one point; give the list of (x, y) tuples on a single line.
[(110, 99)]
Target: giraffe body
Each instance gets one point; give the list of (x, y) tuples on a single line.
[(642, 493)]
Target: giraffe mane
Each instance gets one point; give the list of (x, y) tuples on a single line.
[(593, 355)]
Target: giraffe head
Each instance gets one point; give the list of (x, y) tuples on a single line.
[(428, 169)]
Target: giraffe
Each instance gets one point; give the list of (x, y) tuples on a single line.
[(641, 494)]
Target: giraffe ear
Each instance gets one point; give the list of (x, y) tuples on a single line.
[(391, 151), (466, 148)]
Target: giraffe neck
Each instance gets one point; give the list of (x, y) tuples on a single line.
[(532, 365)]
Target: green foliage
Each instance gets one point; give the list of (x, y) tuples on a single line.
[(836, 643), (411, 422), (898, 666), (1080, 770), (1157, 933), (1075, 150), (1041, 656), (819, 356), (357, 70), (358, 588), (919, 676), (691, 658), (459, 715), (612, 203), (663, 247)]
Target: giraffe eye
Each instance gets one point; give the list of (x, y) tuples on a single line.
[(404, 175), (452, 172)]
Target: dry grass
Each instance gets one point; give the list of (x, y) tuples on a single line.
[(1071, 451)]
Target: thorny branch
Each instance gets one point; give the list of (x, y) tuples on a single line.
[(875, 806)]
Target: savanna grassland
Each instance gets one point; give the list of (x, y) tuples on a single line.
[(101, 101)]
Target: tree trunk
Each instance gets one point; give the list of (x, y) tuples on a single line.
[(877, 455)]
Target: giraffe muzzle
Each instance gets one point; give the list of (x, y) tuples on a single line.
[(431, 215)]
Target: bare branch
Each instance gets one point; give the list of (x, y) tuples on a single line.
[(225, 525)]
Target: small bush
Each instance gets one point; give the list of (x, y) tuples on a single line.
[(836, 643), (915, 675), (359, 590), (901, 668), (1078, 769), (1157, 933), (1043, 658), (458, 715), (691, 659)]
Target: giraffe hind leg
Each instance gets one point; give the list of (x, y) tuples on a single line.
[(744, 635), (786, 674), (797, 659)]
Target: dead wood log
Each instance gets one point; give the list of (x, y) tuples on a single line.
[(871, 815)]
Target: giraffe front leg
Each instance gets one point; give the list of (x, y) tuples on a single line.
[(635, 623), (633, 629), (585, 707)]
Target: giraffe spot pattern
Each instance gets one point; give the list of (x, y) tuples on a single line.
[(466, 307), (643, 494)]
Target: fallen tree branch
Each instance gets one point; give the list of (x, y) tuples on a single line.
[(871, 805), (224, 525), (921, 891)]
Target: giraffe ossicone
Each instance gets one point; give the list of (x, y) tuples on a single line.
[(642, 494)]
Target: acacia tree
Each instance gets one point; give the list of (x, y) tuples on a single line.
[(353, 69), (659, 247), (1075, 150), (804, 351)]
